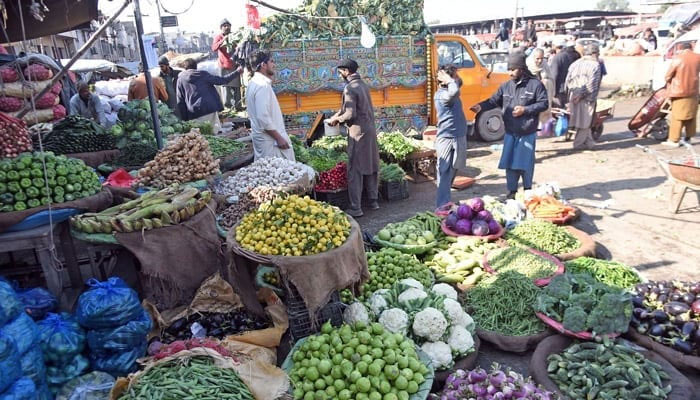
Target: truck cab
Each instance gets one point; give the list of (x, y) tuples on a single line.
[(479, 82)]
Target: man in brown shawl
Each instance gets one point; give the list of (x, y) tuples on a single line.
[(583, 84)]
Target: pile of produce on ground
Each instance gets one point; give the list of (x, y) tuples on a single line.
[(391, 173), (388, 266), (419, 230), (498, 383), (367, 361), (336, 143), (431, 316), (152, 210), (543, 236), (611, 273), (135, 154), (23, 184), (607, 370), (669, 313), (20, 83), (507, 214), (334, 179), (160, 350), (273, 172), (186, 159), (472, 219), (62, 340), (246, 202), (75, 134), (136, 124), (548, 207), (503, 304), (14, 136), (193, 377), (401, 18), (213, 324), (116, 326), (582, 304), (222, 147), (395, 147), (521, 260), (461, 262), (293, 226)]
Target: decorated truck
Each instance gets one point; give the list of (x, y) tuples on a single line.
[(399, 69)]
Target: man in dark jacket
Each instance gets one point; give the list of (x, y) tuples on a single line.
[(197, 98), (357, 113), (522, 99), (503, 37), (560, 68), (169, 77)]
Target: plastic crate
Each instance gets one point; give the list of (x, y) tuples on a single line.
[(392, 191), (301, 326), (338, 198), (295, 303)]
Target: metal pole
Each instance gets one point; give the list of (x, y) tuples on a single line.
[(515, 23), (147, 75), (75, 58), (164, 47)]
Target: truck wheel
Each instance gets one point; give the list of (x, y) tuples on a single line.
[(490, 126)]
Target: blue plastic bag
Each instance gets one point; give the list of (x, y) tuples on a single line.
[(118, 364), (43, 392), (89, 386), (37, 302), (562, 125), (107, 304), (23, 389), (23, 331), (120, 339), (10, 306), (61, 338), (57, 376), (9, 360), (33, 366)]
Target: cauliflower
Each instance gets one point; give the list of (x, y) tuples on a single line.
[(394, 320), (411, 283), (429, 324), (356, 312), (412, 295), (377, 302), (460, 341), (445, 290), (457, 315), (439, 353)]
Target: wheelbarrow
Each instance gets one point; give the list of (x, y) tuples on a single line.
[(604, 110), (684, 174), (651, 118)]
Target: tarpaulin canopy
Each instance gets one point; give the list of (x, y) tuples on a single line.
[(62, 16), (684, 14), (105, 68)]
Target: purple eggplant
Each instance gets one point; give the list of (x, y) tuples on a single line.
[(688, 298), (681, 345), (688, 328), (695, 338), (695, 288), (638, 301), (676, 308), (675, 296), (663, 298), (696, 307), (657, 330), (660, 316), (637, 312)]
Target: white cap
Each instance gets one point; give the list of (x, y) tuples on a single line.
[(570, 43), (560, 42)]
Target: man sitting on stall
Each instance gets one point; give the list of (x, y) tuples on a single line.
[(86, 105)]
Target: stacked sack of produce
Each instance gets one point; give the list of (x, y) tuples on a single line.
[(116, 326), (21, 359), (62, 340), (20, 83), (113, 94)]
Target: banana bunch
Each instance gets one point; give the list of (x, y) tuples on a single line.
[(154, 209), (461, 262)]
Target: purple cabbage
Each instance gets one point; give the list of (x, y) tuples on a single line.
[(494, 226), (477, 204), (479, 228), (484, 215), (465, 212), (464, 227), (451, 220)]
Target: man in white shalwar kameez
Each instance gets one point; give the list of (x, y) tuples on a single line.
[(269, 136)]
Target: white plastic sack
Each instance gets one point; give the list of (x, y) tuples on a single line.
[(211, 66), (116, 104), (111, 118), (112, 87)]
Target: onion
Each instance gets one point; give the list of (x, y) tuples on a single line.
[(477, 375)]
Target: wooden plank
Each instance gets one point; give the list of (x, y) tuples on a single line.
[(312, 129)]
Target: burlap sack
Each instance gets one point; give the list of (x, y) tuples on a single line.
[(587, 248), (682, 388), (95, 158), (176, 259), (265, 381), (316, 277), (217, 295), (675, 357), (465, 363), (23, 90), (513, 344), (96, 203)]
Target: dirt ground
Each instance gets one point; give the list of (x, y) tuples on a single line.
[(622, 192)]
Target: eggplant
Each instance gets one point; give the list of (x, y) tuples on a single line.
[(660, 316), (634, 322), (688, 298), (675, 296), (676, 308), (637, 312), (643, 328), (657, 330), (695, 338), (638, 301), (695, 306), (177, 325), (688, 328), (663, 298), (682, 346), (694, 288)]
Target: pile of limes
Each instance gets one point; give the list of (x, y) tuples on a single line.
[(363, 362), (293, 226), (388, 266)]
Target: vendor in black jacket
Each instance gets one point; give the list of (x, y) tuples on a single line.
[(522, 99)]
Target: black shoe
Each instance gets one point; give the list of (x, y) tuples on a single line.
[(374, 205), (511, 195), (354, 213)]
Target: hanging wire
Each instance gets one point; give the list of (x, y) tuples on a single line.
[(171, 12)]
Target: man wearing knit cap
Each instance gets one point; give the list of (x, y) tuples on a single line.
[(169, 77), (357, 113), (522, 99), (582, 84), (232, 90)]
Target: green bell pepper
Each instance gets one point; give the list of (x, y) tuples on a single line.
[(46, 200), (13, 176), (50, 172), (20, 206), (33, 192), (5, 166), (37, 165), (61, 170), (78, 187), (69, 188), (38, 182), (33, 203), (58, 199), (73, 178), (84, 193), (25, 183), (3, 188), (37, 173), (7, 208), (3, 176), (51, 182), (69, 197), (45, 191), (62, 181), (25, 173), (20, 196), (13, 187), (7, 198), (26, 160), (59, 191)]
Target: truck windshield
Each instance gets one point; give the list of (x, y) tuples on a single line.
[(454, 53)]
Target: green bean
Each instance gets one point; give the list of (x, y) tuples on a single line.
[(544, 236), (521, 260), (608, 272)]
